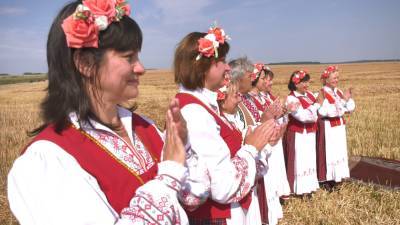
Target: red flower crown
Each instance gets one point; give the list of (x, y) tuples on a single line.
[(258, 67), (92, 16), (298, 76), (208, 45), (328, 71), (223, 90)]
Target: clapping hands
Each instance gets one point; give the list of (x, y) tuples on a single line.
[(176, 134)]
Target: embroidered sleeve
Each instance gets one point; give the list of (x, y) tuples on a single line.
[(308, 115), (229, 179), (262, 162), (349, 106), (329, 110), (196, 188), (155, 202), (261, 158)]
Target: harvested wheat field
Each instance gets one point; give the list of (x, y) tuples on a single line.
[(373, 130)]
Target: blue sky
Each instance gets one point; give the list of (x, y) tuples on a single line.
[(264, 30)]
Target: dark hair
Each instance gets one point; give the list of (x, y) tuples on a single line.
[(255, 81), (269, 73), (191, 72), (66, 91), (291, 85)]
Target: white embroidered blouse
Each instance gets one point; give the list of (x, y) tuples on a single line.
[(308, 115), (47, 186), (339, 108)]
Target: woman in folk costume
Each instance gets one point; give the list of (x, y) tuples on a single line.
[(216, 191), (242, 73), (93, 162), (299, 141), (262, 210), (267, 187), (277, 156), (331, 137)]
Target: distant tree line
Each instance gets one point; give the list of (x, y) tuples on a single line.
[(30, 73), (344, 62), (294, 63)]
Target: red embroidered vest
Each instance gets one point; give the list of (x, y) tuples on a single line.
[(259, 105), (298, 126), (247, 101), (270, 100), (334, 121), (233, 138), (116, 181)]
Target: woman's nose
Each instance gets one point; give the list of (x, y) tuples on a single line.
[(227, 67), (138, 68)]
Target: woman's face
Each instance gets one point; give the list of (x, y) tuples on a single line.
[(302, 87), (333, 80), (215, 76), (231, 102), (261, 82), (268, 84), (245, 83), (119, 76)]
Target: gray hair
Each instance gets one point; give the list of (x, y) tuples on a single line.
[(239, 68)]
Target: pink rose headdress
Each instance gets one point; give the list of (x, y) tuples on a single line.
[(258, 68), (221, 93), (328, 71), (298, 76), (92, 16), (208, 45)]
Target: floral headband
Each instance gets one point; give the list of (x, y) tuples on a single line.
[(328, 71), (221, 93), (298, 76), (208, 45), (92, 16), (258, 67)]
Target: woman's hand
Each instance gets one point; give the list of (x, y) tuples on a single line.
[(279, 131), (275, 110), (261, 135), (178, 119), (268, 114), (174, 148), (292, 106), (347, 94), (278, 108)]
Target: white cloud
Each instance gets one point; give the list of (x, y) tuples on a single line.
[(7, 10)]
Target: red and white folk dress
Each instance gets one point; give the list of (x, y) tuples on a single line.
[(299, 144), (275, 175), (331, 137), (277, 157), (219, 182)]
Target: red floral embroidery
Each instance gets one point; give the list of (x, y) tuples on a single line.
[(247, 101), (242, 169), (136, 158)]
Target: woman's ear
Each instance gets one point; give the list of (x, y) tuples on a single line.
[(82, 64)]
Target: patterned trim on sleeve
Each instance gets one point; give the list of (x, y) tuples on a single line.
[(242, 169), (189, 200), (170, 181), (152, 211)]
